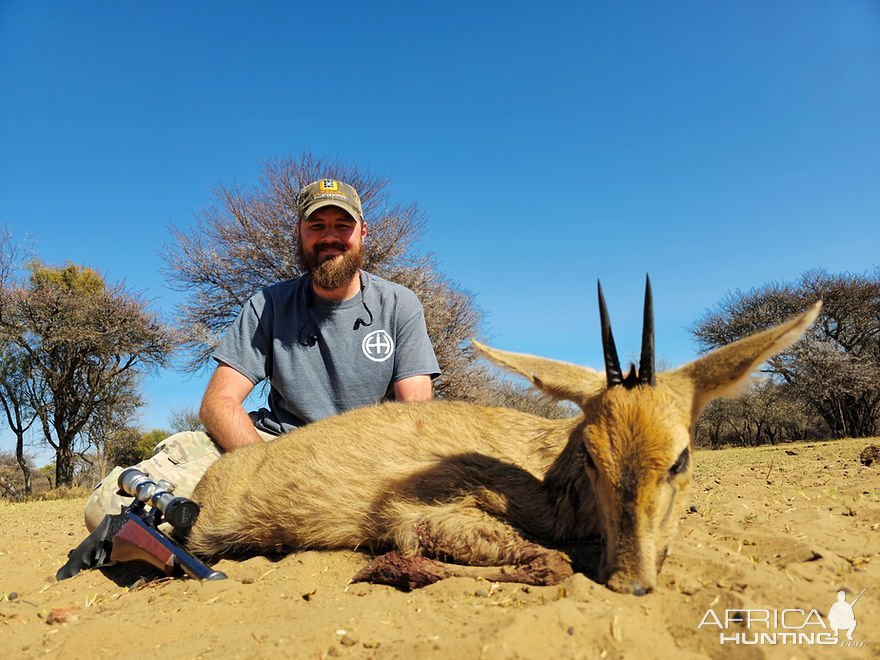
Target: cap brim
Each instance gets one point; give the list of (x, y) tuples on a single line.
[(348, 208)]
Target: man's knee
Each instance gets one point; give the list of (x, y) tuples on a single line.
[(180, 459), (104, 499)]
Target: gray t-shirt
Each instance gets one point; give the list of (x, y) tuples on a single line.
[(322, 357)]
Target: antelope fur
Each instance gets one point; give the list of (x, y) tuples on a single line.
[(477, 486)]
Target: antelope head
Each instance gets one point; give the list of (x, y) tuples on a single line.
[(638, 432)]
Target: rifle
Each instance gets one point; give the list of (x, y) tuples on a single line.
[(133, 534), (853, 604)]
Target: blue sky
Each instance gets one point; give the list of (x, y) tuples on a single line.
[(718, 146)]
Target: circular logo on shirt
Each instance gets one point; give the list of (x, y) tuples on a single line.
[(378, 346)]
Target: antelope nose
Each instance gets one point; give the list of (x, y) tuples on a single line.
[(624, 585), (639, 590)]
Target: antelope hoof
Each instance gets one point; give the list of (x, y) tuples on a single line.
[(545, 568)]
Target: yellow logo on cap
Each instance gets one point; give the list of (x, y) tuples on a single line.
[(328, 185)]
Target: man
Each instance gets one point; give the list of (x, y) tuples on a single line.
[(331, 340), (841, 617)]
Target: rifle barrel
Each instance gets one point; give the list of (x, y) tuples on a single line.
[(853, 604)]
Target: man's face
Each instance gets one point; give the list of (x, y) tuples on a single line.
[(331, 246)]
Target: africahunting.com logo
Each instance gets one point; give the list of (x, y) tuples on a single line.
[(756, 627)]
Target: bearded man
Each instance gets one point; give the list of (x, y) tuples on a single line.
[(333, 339)]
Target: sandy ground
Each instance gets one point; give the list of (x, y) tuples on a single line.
[(776, 528)]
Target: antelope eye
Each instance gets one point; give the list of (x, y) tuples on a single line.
[(681, 463), (589, 461)]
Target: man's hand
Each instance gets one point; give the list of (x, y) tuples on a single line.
[(414, 388), (222, 412)]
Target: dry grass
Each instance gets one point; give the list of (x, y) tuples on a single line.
[(62, 493)]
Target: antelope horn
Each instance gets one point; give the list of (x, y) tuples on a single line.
[(612, 363), (646, 363)]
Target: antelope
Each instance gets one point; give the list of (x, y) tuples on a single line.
[(455, 489)]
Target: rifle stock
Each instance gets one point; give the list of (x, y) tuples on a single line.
[(134, 543), (137, 540)]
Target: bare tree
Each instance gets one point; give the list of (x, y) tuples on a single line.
[(185, 419), (247, 241), (105, 430), (85, 344), (835, 369), (12, 485), (16, 401), (14, 393), (768, 414), (843, 387), (501, 392)]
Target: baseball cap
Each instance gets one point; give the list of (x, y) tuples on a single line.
[(329, 192)]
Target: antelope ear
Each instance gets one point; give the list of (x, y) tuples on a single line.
[(560, 380), (724, 372)]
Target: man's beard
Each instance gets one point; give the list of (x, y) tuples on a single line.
[(334, 272)]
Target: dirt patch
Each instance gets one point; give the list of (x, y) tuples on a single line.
[(771, 528)]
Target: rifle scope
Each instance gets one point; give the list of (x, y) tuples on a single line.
[(180, 512)]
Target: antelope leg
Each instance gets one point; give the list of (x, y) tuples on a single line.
[(398, 570)]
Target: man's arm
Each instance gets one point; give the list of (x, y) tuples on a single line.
[(222, 412), (414, 388)]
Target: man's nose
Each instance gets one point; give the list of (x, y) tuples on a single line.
[(328, 234)]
